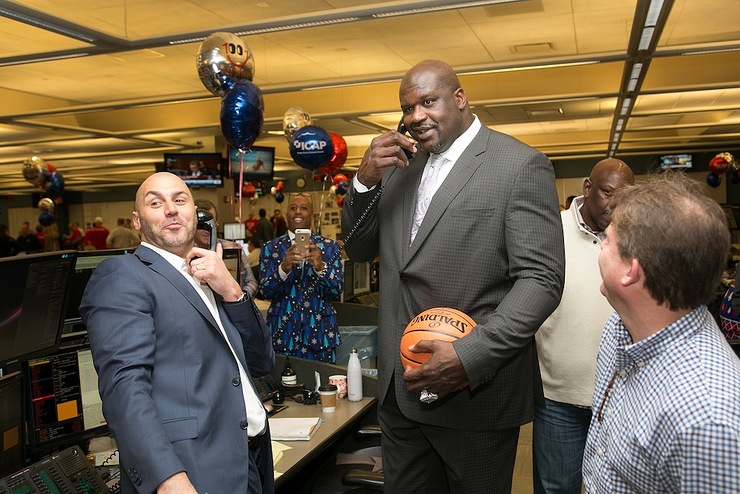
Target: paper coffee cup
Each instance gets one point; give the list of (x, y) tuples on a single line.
[(328, 394)]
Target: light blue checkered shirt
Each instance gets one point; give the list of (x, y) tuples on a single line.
[(671, 421)]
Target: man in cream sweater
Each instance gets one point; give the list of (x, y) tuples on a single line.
[(568, 341)]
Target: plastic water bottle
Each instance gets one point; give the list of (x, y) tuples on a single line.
[(354, 377)]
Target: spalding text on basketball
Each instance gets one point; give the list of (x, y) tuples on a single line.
[(461, 326)]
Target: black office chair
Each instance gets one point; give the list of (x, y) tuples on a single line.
[(345, 476)]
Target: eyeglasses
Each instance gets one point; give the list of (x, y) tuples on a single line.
[(301, 194), (599, 412)]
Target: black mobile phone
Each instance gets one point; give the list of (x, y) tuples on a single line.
[(403, 130), (207, 223)]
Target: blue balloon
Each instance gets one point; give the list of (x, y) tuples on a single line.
[(341, 188), (279, 197), (54, 185), (311, 147), (242, 114), (46, 219), (713, 179)]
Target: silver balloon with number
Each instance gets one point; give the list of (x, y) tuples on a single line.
[(224, 58), (294, 118), (33, 170), (46, 205)]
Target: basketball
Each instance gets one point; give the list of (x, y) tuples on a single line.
[(439, 323)]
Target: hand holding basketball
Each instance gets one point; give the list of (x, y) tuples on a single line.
[(439, 323), (434, 364)]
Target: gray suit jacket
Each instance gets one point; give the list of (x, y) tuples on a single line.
[(169, 383), (490, 245)]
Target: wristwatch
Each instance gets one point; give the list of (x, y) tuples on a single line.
[(238, 301)]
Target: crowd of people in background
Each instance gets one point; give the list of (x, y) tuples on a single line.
[(47, 238)]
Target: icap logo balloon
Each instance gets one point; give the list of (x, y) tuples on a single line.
[(311, 147)]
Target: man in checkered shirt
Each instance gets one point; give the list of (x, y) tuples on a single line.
[(666, 408)]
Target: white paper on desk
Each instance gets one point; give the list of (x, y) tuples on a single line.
[(293, 428)]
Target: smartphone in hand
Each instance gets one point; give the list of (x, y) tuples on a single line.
[(302, 237)]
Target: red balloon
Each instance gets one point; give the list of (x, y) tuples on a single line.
[(279, 186), (718, 165), (249, 190), (339, 177), (338, 158), (340, 201)]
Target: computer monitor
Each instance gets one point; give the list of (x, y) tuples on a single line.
[(232, 257), (361, 278), (84, 266), (33, 301), (196, 169), (258, 163), (235, 231), (12, 424), (348, 267), (64, 406)]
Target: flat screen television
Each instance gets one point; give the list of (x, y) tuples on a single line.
[(259, 163), (33, 302), (669, 161), (196, 169), (64, 406)]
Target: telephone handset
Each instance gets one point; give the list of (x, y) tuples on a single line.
[(207, 223), (403, 130)]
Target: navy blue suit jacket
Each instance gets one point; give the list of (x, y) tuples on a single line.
[(169, 382)]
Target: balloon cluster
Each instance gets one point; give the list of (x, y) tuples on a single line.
[(277, 191), (226, 68), (312, 147), (46, 207), (44, 176), (723, 163), (339, 187)]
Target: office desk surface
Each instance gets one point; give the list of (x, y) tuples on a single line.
[(333, 426)]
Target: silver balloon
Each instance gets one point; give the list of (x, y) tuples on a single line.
[(294, 118), (46, 205), (222, 59), (34, 170)]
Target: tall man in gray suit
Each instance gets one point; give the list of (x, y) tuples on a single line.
[(470, 222), (175, 340)]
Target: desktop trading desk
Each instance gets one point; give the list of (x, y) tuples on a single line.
[(334, 428), (300, 465)]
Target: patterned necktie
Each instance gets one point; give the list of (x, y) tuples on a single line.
[(427, 188)]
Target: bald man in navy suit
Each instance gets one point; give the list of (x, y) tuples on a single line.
[(175, 342)]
